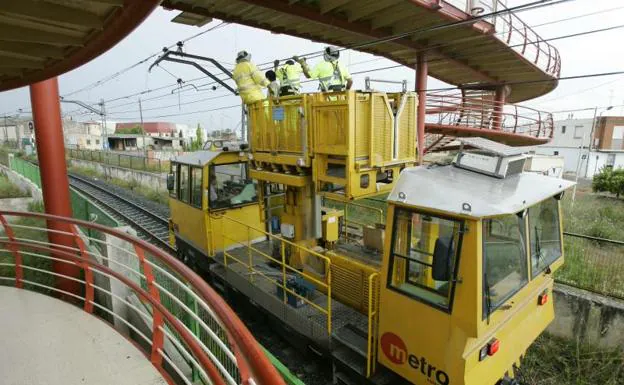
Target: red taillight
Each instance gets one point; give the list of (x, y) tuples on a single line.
[(542, 299), (493, 347)]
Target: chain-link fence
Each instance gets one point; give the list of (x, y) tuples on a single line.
[(134, 162), (593, 264)]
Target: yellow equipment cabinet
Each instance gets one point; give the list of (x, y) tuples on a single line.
[(352, 144)]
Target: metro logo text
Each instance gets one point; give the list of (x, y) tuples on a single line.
[(396, 351)]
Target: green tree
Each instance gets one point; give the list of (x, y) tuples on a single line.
[(609, 180), (198, 143)]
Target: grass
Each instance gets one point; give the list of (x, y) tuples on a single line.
[(596, 215), (133, 185), (555, 361), (10, 190)]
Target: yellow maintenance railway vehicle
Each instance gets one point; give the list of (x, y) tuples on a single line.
[(436, 274)]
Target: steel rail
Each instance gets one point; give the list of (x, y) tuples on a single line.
[(127, 210)]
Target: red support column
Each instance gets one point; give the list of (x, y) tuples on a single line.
[(46, 108), (499, 103), (421, 89)]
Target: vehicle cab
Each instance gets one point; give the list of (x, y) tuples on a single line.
[(203, 186), (468, 268)]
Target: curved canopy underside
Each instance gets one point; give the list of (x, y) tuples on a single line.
[(473, 53), (40, 39)]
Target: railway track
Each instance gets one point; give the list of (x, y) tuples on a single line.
[(150, 226)]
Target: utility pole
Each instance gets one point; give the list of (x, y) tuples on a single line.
[(591, 136), (142, 128)]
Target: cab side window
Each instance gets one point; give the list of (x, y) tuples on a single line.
[(183, 190), (196, 186), (422, 244), (504, 260), (544, 234), (174, 171)]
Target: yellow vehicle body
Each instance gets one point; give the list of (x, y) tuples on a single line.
[(453, 293), (438, 348), (199, 226)]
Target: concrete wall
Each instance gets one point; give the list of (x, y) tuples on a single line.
[(22, 183), (591, 318), (147, 179)]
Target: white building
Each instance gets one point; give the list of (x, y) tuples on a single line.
[(83, 135), (586, 147), (571, 138)]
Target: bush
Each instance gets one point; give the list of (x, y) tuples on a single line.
[(609, 180)]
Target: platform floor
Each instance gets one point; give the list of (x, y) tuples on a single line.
[(45, 341)]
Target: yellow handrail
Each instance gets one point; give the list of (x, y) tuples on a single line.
[(371, 358), (249, 265)]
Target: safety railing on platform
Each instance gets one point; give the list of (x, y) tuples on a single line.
[(357, 216), (517, 34), (481, 112), (250, 258), (373, 317), (134, 162), (179, 322)]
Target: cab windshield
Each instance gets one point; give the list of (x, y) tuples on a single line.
[(544, 234), (230, 187)]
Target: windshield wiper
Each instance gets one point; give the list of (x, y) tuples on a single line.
[(538, 247), (488, 297)]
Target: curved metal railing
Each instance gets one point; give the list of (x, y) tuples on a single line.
[(480, 112), (181, 324), (517, 34)]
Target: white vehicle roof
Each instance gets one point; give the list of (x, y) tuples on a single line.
[(197, 158), (457, 191)]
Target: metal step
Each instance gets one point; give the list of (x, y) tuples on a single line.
[(346, 362), (352, 338), (350, 359)]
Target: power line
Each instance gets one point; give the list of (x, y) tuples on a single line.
[(528, 6), (142, 61)]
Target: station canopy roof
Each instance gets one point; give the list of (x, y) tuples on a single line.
[(461, 55), (40, 39)]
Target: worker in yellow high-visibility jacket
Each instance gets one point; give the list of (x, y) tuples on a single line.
[(332, 75), (289, 76), (249, 79)]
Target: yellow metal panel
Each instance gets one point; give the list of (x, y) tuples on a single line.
[(407, 128), (363, 125), (286, 179), (190, 222), (382, 131)]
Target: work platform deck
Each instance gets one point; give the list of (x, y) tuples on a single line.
[(46, 341), (306, 319)]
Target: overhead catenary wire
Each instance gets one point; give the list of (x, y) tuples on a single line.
[(574, 77), (542, 3), (509, 83), (142, 61), (529, 6)]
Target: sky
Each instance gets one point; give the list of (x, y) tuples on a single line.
[(594, 53)]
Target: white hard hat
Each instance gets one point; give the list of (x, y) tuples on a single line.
[(331, 53), (243, 56)]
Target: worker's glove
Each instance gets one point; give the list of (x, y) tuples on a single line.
[(276, 63), (298, 59)]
